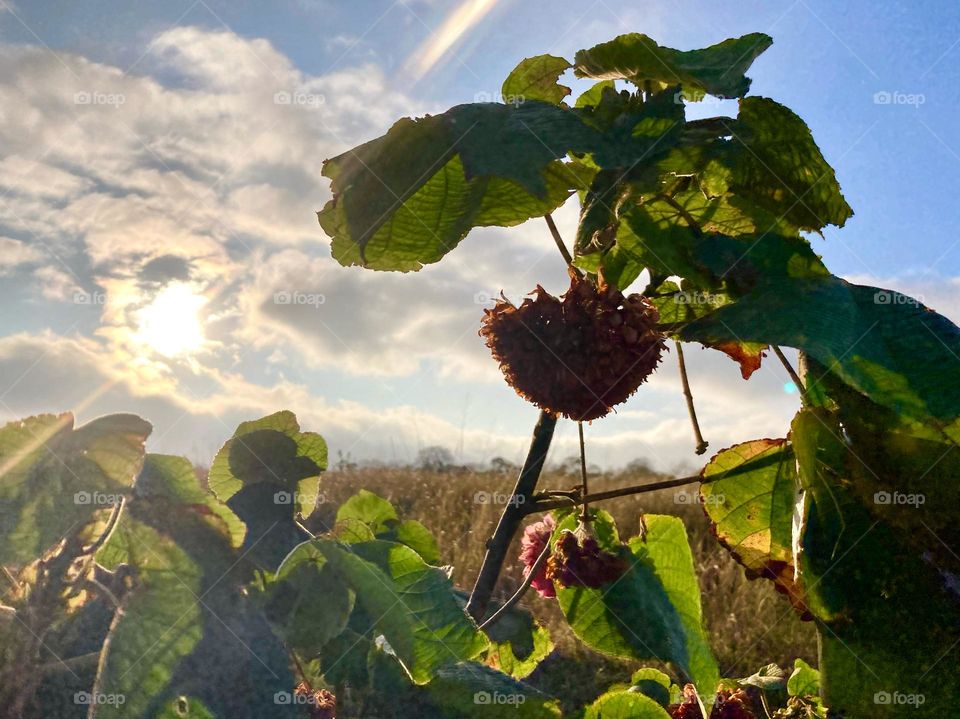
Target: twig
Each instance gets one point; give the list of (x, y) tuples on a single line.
[(108, 530), (512, 515), (545, 505), (567, 257), (682, 211), (303, 674), (584, 516), (794, 377), (524, 586), (688, 395)]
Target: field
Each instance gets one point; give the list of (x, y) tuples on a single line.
[(750, 625)]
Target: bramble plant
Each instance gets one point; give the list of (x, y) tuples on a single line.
[(135, 591)]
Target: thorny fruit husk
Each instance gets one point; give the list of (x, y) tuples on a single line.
[(577, 355), (578, 561)]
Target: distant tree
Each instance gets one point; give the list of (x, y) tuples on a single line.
[(434, 459), (499, 465)]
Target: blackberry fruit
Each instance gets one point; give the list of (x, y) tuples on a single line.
[(578, 561)]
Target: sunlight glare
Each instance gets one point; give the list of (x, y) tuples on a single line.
[(171, 324)]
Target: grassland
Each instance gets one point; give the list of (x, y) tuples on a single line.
[(750, 625)]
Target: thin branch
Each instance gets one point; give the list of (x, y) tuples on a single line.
[(688, 395), (567, 257), (794, 377), (524, 586), (543, 505), (584, 516), (513, 514)]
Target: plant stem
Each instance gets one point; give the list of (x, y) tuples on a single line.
[(527, 581), (584, 517), (795, 378), (513, 514), (543, 505), (555, 233), (688, 395)]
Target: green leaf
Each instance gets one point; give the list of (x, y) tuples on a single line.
[(274, 451), (474, 691), (776, 162), (885, 615), (804, 681), (652, 611), (367, 508), (416, 536), (625, 705), (308, 603), (186, 633), (886, 345), (749, 492), (668, 549), (717, 70), (411, 603), (409, 197), (505, 655), (535, 78), (592, 97), (54, 478), (652, 683)]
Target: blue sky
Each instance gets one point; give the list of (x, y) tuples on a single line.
[(181, 178)]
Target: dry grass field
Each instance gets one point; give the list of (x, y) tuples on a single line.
[(750, 625)]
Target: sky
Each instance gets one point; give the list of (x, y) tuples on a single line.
[(160, 173)]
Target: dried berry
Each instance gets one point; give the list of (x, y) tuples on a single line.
[(689, 708), (578, 355), (322, 702), (732, 704), (535, 538), (578, 561)]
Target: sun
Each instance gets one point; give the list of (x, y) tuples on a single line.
[(171, 324)]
